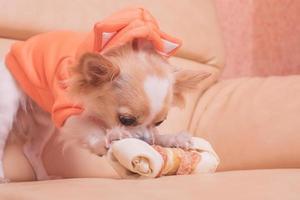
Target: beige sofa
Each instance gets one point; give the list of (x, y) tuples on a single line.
[(253, 123)]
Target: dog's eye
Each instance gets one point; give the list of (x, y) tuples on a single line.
[(159, 123), (127, 120)]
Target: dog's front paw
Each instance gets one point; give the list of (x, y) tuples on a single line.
[(180, 140)]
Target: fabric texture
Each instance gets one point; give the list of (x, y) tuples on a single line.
[(261, 38), (235, 185), (40, 65)]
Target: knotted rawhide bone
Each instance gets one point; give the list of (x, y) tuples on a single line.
[(178, 161), (135, 158)]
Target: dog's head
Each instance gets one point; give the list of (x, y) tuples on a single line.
[(131, 86)]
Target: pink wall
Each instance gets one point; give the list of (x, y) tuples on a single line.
[(262, 37)]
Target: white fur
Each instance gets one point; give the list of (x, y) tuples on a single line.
[(93, 138), (11, 97), (9, 102), (142, 56), (156, 89), (79, 128), (33, 149)]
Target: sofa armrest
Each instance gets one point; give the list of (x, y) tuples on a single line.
[(252, 122)]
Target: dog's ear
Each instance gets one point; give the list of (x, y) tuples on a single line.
[(186, 81), (96, 69)]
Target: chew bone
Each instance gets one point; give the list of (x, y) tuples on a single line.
[(131, 157)]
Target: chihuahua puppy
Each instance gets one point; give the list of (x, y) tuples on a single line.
[(126, 92)]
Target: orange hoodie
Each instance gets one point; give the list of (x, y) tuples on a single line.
[(41, 64)]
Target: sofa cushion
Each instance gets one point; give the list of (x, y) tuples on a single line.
[(246, 185), (194, 21)]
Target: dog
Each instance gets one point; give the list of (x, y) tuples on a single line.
[(52, 84), (126, 92)]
